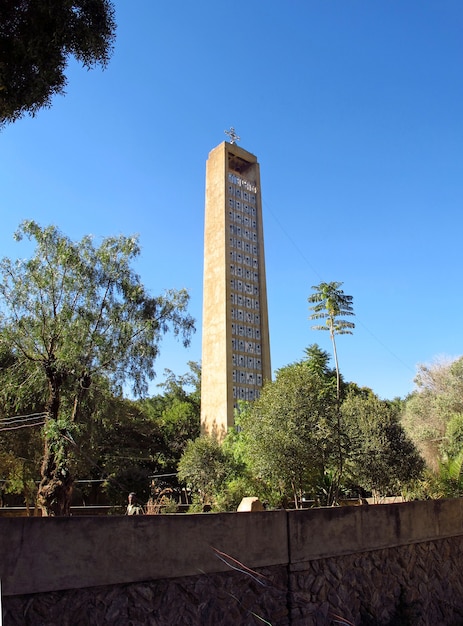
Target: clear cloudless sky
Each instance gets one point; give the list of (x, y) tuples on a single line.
[(354, 109)]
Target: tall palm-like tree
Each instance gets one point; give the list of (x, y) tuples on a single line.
[(331, 304)]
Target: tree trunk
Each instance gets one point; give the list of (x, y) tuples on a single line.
[(55, 488)]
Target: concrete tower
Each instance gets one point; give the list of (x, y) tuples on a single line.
[(236, 349)]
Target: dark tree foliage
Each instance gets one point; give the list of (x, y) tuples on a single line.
[(77, 319), (36, 39)]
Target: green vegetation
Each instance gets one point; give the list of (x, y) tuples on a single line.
[(77, 326), (285, 447), (37, 38), (331, 304)]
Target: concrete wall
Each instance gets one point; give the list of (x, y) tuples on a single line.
[(369, 564)]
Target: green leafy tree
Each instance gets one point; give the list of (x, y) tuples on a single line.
[(289, 432), (432, 414), (206, 466), (21, 416), (181, 415), (75, 315), (381, 457), (36, 39), (331, 304)]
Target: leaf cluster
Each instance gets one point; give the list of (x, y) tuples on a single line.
[(331, 304), (36, 39)]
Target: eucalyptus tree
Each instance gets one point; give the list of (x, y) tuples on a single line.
[(36, 39), (77, 316)]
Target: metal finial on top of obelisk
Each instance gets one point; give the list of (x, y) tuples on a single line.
[(232, 134)]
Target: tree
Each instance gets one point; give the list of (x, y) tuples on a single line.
[(36, 39), (205, 466), (76, 316), (21, 416), (330, 303), (289, 432), (432, 414), (381, 457)]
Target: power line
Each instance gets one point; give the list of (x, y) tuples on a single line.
[(314, 270), (22, 421), (22, 426), (22, 418)]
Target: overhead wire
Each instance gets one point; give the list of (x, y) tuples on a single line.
[(315, 271), (22, 421)]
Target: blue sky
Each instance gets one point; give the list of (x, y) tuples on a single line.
[(354, 109)]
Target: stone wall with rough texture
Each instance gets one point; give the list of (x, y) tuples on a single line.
[(216, 599), (373, 565), (418, 584)]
